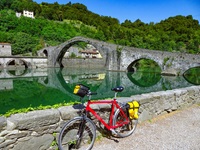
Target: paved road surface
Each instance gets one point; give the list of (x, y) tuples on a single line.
[(179, 130)]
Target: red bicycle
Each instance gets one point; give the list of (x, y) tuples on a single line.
[(80, 132)]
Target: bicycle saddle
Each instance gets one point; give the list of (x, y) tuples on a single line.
[(118, 89)]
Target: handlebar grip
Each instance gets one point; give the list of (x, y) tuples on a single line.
[(93, 93)]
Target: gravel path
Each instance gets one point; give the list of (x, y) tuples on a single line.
[(179, 130)]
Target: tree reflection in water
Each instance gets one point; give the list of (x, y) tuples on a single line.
[(192, 75)]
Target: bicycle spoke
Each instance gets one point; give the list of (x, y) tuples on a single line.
[(71, 137), (126, 129)]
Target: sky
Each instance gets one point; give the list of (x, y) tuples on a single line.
[(145, 10)]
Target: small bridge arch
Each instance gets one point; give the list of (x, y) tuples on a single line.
[(18, 62), (194, 65), (131, 67)]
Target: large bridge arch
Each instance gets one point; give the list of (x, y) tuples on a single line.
[(56, 54)]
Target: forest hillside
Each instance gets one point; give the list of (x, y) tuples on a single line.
[(55, 23)]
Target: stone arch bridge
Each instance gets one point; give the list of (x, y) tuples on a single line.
[(122, 58), (22, 62)]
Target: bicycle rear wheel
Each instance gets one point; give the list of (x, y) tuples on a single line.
[(78, 133), (125, 130)]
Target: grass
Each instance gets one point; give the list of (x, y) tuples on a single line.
[(41, 107)]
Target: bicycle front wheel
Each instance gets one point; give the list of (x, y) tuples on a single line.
[(127, 129), (78, 133)]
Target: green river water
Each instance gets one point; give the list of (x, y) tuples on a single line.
[(33, 88)]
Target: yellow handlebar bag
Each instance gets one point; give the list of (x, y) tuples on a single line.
[(81, 90)]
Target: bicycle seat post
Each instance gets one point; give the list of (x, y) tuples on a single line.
[(115, 95), (89, 95), (117, 89)]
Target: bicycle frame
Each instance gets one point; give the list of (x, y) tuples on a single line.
[(114, 106), (118, 122)]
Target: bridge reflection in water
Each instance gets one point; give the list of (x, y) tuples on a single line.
[(50, 86)]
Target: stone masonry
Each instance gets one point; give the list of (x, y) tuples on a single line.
[(123, 58), (38, 130), (5, 49), (114, 57)]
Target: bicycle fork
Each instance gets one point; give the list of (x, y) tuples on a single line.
[(80, 132)]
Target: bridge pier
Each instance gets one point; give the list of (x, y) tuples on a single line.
[(172, 72)]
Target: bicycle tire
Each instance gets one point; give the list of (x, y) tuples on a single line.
[(125, 130), (69, 135)]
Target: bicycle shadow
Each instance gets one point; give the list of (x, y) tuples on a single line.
[(78, 106)]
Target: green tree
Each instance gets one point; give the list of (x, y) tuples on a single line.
[(8, 20), (57, 23), (23, 43), (5, 4)]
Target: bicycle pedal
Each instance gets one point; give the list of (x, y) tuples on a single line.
[(113, 132)]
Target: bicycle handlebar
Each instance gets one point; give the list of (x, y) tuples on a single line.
[(92, 93), (116, 89), (82, 90)]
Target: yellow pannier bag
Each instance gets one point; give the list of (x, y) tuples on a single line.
[(133, 109)]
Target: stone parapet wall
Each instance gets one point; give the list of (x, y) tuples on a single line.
[(38, 130), (83, 62), (158, 103)]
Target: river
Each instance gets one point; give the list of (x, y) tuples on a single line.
[(49, 86)]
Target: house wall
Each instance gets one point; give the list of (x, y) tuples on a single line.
[(5, 49), (28, 14)]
